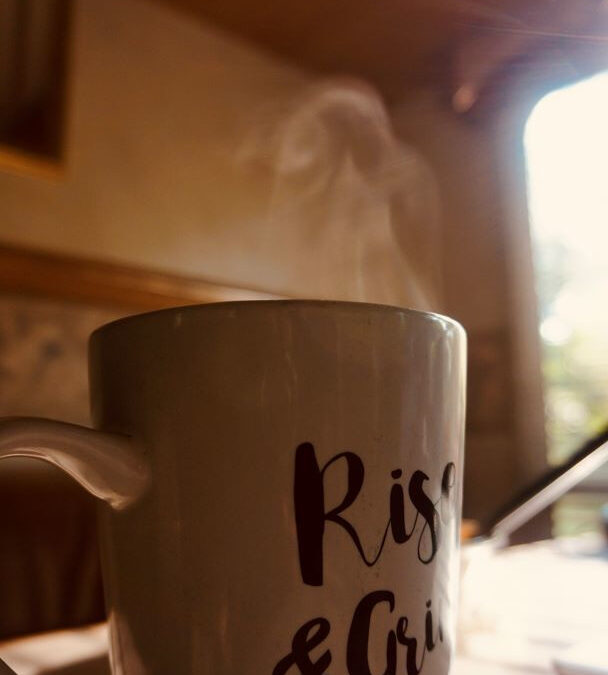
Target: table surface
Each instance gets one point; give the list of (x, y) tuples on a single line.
[(525, 606), (521, 608)]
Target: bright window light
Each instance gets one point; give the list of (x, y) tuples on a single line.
[(566, 143)]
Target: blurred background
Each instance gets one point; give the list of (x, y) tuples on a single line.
[(447, 156)]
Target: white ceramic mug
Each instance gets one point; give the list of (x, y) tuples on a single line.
[(283, 484)]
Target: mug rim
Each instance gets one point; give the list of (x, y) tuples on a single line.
[(424, 315)]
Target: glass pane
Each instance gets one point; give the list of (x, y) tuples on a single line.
[(566, 145)]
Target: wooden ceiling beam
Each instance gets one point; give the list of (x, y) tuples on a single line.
[(395, 44)]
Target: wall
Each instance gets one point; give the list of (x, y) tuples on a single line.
[(161, 110), (158, 105), (487, 263)]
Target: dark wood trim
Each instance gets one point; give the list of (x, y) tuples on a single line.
[(17, 161), (69, 278)]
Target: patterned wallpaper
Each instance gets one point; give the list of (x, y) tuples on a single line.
[(43, 356)]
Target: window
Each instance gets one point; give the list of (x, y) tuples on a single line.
[(566, 145)]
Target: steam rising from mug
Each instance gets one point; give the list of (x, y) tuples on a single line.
[(352, 211)]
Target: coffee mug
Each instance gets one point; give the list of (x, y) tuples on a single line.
[(282, 484)]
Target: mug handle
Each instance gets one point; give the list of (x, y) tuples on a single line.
[(109, 466), (5, 670)]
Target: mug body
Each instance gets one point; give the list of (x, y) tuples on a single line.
[(304, 504)]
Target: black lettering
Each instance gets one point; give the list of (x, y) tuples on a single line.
[(411, 647), (303, 643), (448, 480), (428, 628), (426, 508), (397, 511), (357, 657), (310, 514)]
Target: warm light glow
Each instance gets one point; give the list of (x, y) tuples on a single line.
[(566, 144)]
